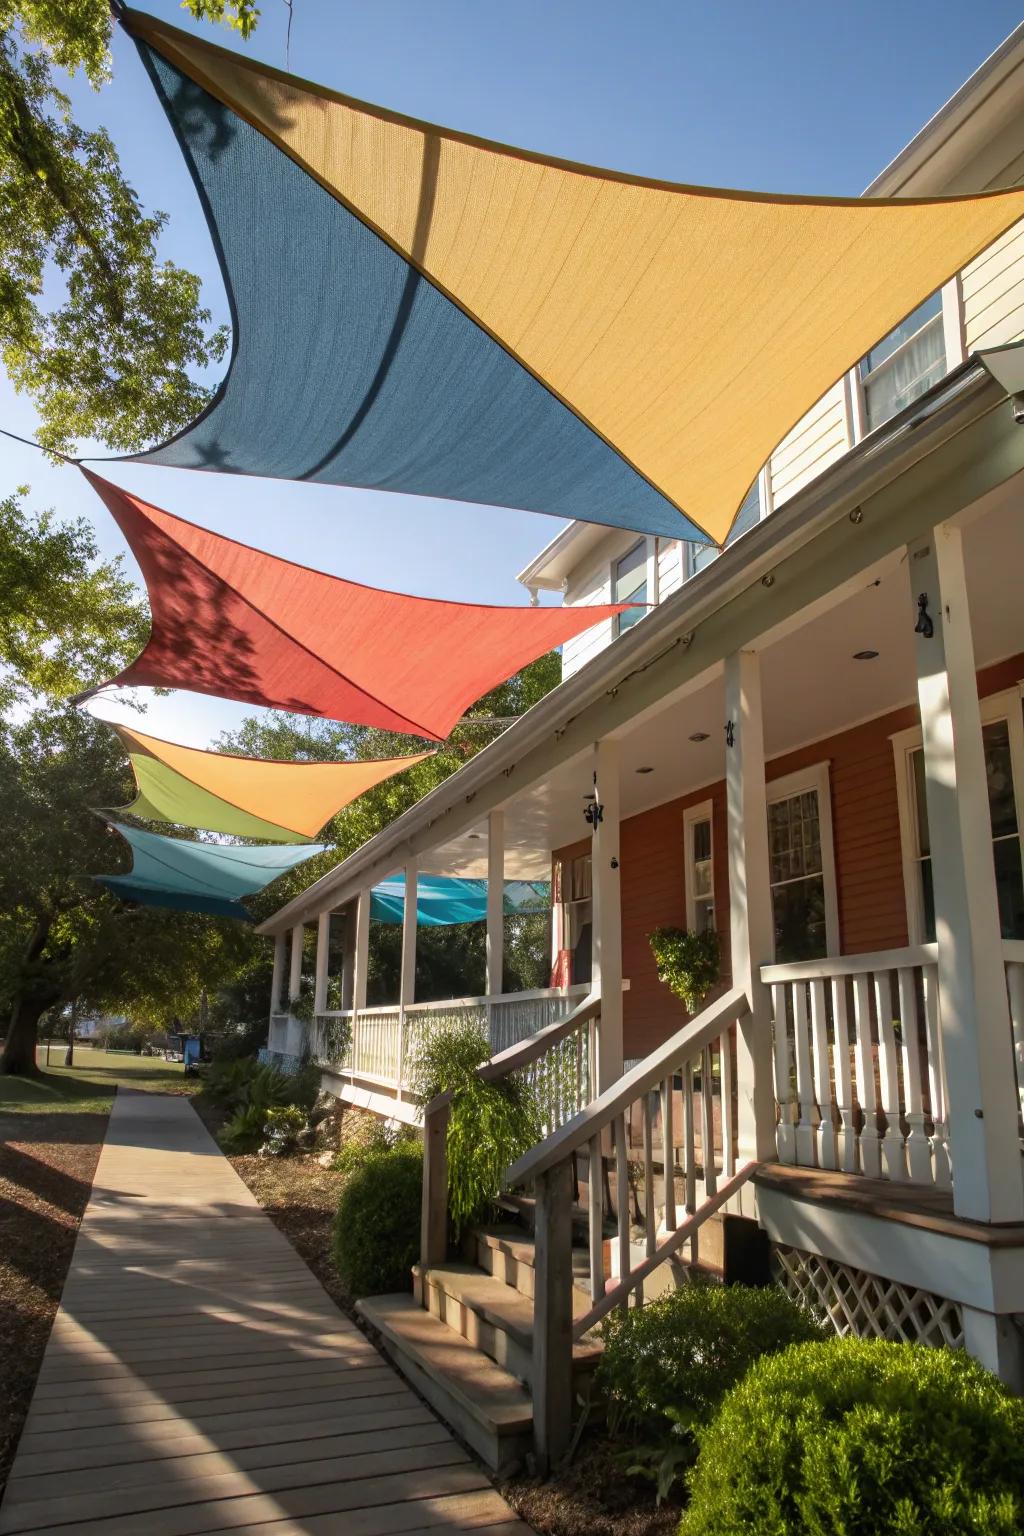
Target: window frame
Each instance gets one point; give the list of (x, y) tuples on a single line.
[(817, 777), (951, 320), (650, 547), (764, 500), (693, 815), (1006, 705)]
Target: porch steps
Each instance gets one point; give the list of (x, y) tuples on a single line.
[(507, 1253), (485, 1405)]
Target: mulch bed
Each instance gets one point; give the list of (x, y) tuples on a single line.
[(44, 1188)]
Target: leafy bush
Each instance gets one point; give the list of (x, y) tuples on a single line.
[(377, 1228), (244, 1131), (490, 1124), (281, 1130), (666, 1366), (859, 1437), (689, 963), (240, 1084), (226, 1077), (377, 1136)]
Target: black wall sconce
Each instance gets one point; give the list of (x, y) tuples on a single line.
[(593, 813), (730, 733), (925, 624)]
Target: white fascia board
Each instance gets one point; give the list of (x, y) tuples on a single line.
[(963, 397), (550, 570)]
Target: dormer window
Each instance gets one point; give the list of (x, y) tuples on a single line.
[(629, 585)]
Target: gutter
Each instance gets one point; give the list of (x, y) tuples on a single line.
[(957, 401)]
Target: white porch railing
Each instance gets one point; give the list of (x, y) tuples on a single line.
[(859, 1072), (384, 1041)]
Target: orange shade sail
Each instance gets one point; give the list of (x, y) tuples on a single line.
[(237, 623)]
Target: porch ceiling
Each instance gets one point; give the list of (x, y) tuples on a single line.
[(813, 689)]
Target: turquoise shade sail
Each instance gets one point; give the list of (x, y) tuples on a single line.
[(445, 899), (200, 877)]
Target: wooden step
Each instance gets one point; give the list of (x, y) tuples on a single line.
[(494, 1317), (483, 1403), (507, 1253)]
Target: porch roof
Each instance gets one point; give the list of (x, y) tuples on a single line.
[(937, 457)]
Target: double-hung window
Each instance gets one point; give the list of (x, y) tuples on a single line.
[(1003, 741), (904, 364), (802, 867), (699, 869), (629, 585)]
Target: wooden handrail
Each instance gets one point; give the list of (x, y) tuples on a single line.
[(851, 965), (646, 1076)]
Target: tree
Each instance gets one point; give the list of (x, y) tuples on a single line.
[(449, 961), (113, 356), (64, 614)]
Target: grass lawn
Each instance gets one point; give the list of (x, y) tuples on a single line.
[(51, 1131)]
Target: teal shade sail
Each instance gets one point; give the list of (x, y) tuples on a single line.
[(446, 899), (200, 877)]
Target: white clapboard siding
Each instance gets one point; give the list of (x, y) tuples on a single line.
[(670, 567), (821, 437), (993, 292), (589, 586)]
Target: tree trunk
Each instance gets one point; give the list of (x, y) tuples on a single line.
[(19, 1057)]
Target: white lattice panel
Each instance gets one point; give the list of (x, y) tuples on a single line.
[(865, 1305)]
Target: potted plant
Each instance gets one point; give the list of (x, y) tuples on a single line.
[(689, 963)]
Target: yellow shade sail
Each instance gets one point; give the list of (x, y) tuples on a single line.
[(689, 328), (245, 796)]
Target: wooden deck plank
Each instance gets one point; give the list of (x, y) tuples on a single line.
[(198, 1378)]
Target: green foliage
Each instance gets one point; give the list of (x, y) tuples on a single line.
[(862, 1438), (237, 1084), (282, 1128), (377, 1136), (377, 1228), (689, 963), (666, 1366), (226, 1080), (490, 1125), (244, 1131)]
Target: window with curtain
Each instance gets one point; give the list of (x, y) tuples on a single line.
[(797, 875), (904, 364), (697, 556), (700, 874), (1006, 849), (629, 585)]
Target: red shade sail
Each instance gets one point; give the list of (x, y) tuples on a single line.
[(235, 622)]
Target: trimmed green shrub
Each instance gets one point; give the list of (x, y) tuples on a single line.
[(377, 1228), (666, 1366), (688, 963), (490, 1124), (859, 1437)]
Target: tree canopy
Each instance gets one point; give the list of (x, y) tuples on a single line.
[(103, 335)]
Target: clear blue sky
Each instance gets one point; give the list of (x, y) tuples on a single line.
[(791, 96)]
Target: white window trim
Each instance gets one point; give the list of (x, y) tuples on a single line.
[(818, 778), (953, 335), (691, 816), (997, 706), (650, 576)]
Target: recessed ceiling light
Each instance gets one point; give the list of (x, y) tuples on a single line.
[(473, 834), (645, 770), (699, 736), (864, 655)]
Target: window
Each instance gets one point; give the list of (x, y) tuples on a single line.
[(573, 917), (1006, 848), (801, 867), (629, 585), (699, 868), (906, 363), (697, 556)]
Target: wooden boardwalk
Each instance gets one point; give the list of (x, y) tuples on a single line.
[(198, 1377)]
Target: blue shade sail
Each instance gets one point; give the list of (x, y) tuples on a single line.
[(446, 899), (351, 368), (199, 877)]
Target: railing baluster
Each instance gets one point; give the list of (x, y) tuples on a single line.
[(822, 1079), (622, 1195), (805, 1136), (688, 1139), (668, 1155), (595, 1217), (936, 1079), (707, 1125), (786, 1134), (847, 1152), (650, 1224), (919, 1156), (870, 1150), (888, 1074), (728, 1152)]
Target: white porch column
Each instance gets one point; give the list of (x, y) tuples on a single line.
[(607, 930), (974, 1015), (295, 970), (407, 977), (323, 952), (495, 902), (362, 951), (348, 958), (278, 974), (750, 909)]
